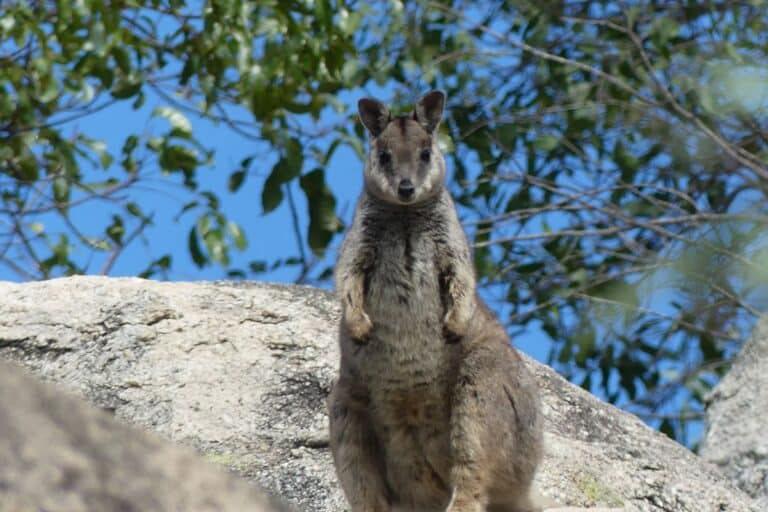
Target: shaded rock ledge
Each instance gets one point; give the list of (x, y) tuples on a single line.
[(58, 453)]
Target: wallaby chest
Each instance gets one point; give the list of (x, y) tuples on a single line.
[(403, 300), (403, 289)]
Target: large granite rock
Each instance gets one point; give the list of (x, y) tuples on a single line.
[(59, 454), (241, 371), (736, 437)]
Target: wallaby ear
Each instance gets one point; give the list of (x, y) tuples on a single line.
[(374, 115), (429, 110)]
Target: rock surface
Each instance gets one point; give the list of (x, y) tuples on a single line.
[(736, 438), (59, 454), (241, 372)]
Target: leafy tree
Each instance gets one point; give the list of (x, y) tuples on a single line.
[(281, 62), (610, 158), (620, 200)]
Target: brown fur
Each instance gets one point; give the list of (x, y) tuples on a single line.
[(433, 409)]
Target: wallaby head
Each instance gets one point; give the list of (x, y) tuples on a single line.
[(404, 165)]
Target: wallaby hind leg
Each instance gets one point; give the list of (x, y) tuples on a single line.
[(469, 475), (356, 453), (468, 494), (469, 471), (495, 430)]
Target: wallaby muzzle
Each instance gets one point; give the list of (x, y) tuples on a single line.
[(405, 189)]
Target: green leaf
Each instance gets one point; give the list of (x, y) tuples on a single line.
[(126, 88), (122, 59), (98, 37), (116, 230), (584, 339), (134, 210), (96, 243), (295, 159), (204, 225), (100, 148), (324, 13), (579, 92), (37, 228), (271, 195), (6, 153), (139, 102), (707, 100), (323, 222), (174, 157), (179, 122), (627, 162), (546, 143), (59, 257), (257, 267), (286, 169), (130, 144), (194, 249), (667, 427), (237, 234), (30, 170), (50, 92), (216, 246), (6, 24), (161, 264), (664, 29), (61, 191), (236, 180)]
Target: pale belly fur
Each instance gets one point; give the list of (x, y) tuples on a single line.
[(406, 362)]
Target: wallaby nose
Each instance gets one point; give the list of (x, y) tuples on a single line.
[(405, 190)]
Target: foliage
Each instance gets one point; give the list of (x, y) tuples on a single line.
[(64, 61), (610, 159)]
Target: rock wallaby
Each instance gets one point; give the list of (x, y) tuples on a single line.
[(433, 409)]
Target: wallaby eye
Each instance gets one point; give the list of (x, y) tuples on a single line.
[(384, 157), (425, 154)]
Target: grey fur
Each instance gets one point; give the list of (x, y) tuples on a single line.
[(433, 409)]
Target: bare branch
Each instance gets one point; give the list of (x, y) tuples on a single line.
[(504, 38), (743, 157), (648, 311)]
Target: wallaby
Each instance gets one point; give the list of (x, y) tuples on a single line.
[(433, 409)]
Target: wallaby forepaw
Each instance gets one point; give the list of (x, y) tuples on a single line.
[(358, 325), (451, 337), (456, 324)]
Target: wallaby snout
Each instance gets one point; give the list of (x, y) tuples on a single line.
[(405, 189)]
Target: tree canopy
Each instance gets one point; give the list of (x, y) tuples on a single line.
[(610, 159)]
